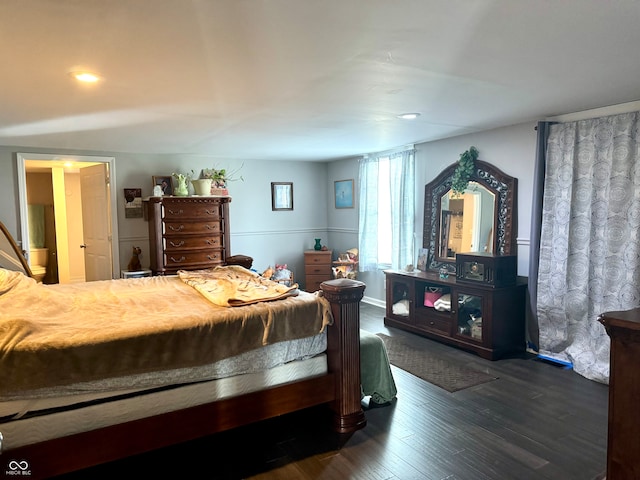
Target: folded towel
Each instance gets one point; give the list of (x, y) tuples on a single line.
[(443, 303)]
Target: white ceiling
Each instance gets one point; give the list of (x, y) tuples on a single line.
[(303, 79)]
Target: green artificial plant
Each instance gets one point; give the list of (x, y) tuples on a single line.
[(464, 171)]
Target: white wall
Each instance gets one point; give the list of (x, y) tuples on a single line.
[(282, 236), (511, 149), (256, 230)]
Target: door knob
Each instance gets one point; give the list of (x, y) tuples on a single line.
[(84, 245)]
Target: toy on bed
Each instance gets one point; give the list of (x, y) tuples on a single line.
[(280, 274), (283, 275)]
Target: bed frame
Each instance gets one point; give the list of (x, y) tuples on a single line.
[(339, 389)]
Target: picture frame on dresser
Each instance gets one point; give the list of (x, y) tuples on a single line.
[(165, 182), (281, 196)]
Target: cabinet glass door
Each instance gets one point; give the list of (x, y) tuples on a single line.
[(399, 301), (469, 316)]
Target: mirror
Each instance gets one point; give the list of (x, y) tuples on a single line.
[(11, 258), (483, 219), (466, 221)]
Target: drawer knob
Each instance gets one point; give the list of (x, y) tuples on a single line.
[(175, 212), (176, 229), (179, 244), (178, 260)]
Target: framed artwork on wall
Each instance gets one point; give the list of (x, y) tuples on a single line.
[(343, 190), (133, 203), (281, 196)]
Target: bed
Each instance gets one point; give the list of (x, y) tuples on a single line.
[(94, 372)]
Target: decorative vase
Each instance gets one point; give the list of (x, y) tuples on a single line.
[(317, 246), (181, 190), (202, 186)]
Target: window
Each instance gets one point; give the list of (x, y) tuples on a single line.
[(387, 205)]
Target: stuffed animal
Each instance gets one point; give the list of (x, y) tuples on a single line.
[(268, 273), (134, 263), (281, 273)]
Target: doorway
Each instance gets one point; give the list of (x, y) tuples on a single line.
[(80, 247)]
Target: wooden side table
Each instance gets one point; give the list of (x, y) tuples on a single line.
[(317, 268)]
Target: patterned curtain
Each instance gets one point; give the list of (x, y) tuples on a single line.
[(590, 238)]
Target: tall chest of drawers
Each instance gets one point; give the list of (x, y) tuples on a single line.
[(317, 268), (187, 233)]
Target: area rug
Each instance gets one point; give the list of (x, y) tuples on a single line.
[(432, 367)]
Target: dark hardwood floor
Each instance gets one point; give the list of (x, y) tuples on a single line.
[(536, 421)]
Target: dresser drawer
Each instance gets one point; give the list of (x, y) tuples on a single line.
[(184, 242), (438, 325), (324, 270), (190, 259), (199, 211), (191, 228), (317, 258)]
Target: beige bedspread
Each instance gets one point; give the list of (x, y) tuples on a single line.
[(63, 334), (234, 286)]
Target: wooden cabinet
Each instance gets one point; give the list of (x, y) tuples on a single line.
[(623, 447), (485, 320), (317, 268), (187, 233)]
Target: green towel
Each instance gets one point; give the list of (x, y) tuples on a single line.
[(375, 371)]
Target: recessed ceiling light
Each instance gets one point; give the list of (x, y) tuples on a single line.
[(86, 77), (409, 116)]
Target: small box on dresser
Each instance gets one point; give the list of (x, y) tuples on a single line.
[(317, 268), (188, 233)]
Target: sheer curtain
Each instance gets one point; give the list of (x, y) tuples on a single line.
[(590, 238), (399, 187)]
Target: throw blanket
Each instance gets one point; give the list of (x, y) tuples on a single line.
[(234, 286), (68, 333)]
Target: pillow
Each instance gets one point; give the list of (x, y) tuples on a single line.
[(10, 279)]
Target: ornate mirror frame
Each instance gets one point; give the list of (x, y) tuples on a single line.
[(505, 219)]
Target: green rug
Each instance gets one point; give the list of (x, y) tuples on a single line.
[(431, 367)]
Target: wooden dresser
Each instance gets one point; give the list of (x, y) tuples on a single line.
[(623, 447), (317, 268), (187, 233), (481, 319)]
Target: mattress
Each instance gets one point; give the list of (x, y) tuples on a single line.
[(40, 425)]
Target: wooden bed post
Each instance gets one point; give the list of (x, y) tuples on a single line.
[(344, 352)]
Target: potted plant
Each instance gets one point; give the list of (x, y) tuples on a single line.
[(464, 171), (220, 177)]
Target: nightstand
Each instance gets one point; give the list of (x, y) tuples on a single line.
[(317, 268)]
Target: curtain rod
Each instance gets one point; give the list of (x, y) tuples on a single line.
[(596, 112)]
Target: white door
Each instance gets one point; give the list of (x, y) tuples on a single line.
[(94, 182)]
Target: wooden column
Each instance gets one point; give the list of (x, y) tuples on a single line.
[(344, 352)]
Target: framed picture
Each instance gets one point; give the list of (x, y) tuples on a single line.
[(281, 195), (343, 193), (165, 183), (423, 259), (133, 203)]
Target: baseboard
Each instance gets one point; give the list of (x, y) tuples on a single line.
[(374, 301)]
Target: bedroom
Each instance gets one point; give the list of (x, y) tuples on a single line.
[(282, 236)]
